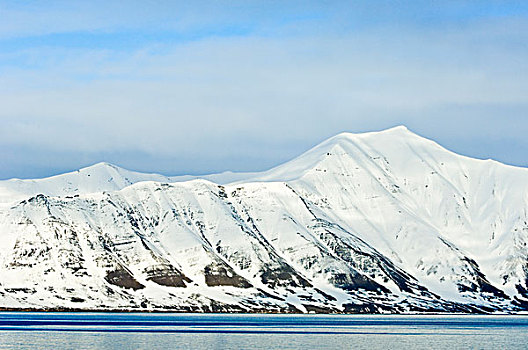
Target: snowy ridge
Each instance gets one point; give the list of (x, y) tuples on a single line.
[(96, 178), (376, 222)]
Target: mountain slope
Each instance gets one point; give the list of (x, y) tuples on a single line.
[(376, 222)]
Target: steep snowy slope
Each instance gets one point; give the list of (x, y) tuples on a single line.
[(377, 222)]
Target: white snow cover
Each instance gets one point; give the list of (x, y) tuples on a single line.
[(377, 222)]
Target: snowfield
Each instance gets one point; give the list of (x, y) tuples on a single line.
[(377, 222)]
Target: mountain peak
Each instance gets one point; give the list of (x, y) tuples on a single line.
[(399, 130), (100, 165), (395, 142)]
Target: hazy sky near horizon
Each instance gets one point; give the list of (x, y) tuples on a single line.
[(207, 86)]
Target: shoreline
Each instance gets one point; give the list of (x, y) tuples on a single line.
[(176, 311)]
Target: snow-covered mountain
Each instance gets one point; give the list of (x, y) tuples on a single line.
[(377, 222)]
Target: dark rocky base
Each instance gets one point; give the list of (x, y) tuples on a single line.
[(292, 310)]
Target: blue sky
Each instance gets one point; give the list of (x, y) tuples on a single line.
[(199, 87)]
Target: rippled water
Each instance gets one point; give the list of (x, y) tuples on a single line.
[(221, 331)]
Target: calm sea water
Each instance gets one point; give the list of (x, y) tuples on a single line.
[(20, 330)]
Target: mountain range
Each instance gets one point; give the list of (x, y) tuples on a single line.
[(380, 222)]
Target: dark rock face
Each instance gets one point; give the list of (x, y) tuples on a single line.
[(283, 276), (223, 275), (318, 309), (481, 283), (356, 281), (522, 299), (367, 308), (166, 275), (123, 278)]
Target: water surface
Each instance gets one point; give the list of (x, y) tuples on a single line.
[(233, 331)]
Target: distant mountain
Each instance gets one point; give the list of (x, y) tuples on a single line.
[(378, 222)]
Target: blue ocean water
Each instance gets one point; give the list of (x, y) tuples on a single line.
[(255, 331)]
